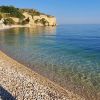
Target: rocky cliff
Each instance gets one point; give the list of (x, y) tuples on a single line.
[(12, 15), (41, 20)]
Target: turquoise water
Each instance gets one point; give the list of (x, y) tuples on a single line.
[(65, 54)]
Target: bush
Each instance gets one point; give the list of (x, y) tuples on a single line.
[(14, 12), (42, 21), (37, 21), (36, 13), (0, 16), (9, 21), (31, 12), (26, 21)]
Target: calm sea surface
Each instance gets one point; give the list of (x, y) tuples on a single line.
[(66, 53)]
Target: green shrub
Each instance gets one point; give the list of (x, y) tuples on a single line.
[(36, 13), (9, 21), (26, 21), (14, 12), (42, 21), (37, 21), (0, 16)]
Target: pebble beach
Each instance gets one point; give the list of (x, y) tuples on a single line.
[(21, 83)]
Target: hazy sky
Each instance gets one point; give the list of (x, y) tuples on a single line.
[(66, 11)]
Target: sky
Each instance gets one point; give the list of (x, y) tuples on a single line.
[(66, 11)]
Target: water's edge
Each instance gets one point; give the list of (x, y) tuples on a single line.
[(68, 57), (18, 79)]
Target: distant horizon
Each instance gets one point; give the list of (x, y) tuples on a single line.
[(66, 12)]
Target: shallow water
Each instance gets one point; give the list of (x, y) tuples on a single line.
[(66, 53)]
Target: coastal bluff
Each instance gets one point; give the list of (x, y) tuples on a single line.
[(9, 15), (18, 82)]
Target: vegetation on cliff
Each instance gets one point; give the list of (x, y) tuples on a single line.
[(42, 21), (11, 11), (9, 21), (26, 21), (12, 15), (0, 16), (31, 12)]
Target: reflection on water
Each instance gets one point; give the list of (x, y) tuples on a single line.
[(17, 35), (68, 55)]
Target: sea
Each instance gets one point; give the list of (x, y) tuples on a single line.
[(69, 55)]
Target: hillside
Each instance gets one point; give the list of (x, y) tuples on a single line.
[(10, 15)]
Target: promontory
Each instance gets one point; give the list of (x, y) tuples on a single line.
[(9, 15)]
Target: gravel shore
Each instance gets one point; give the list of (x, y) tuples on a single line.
[(18, 82)]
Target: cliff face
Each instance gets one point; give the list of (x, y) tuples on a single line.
[(41, 20), (16, 16), (1, 24)]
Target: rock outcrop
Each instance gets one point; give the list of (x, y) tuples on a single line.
[(41, 20), (1, 24), (17, 16)]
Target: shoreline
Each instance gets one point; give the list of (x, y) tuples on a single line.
[(14, 26), (18, 79), (21, 26)]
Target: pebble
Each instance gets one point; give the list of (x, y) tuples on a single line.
[(22, 83)]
